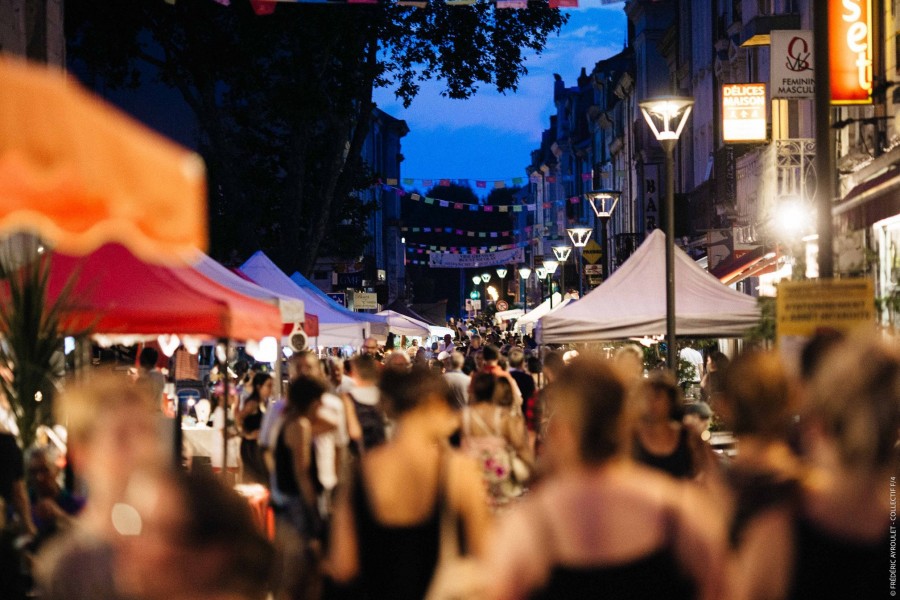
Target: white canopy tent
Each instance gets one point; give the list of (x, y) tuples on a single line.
[(400, 324), (526, 322), (292, 309), (336, 328), (632, 302), (507, 315)]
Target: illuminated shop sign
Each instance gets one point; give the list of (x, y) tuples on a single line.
[(850, 51), (744, 112)]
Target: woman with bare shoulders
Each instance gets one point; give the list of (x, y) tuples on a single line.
[(601, 523), (386, 524), (837, 540), (661, 439)]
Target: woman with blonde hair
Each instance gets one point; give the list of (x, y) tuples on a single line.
[(601, 523)]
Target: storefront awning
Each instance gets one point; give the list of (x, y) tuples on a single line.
[(751, 264), (870, 201)]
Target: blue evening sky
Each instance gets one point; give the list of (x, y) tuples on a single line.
[(490, 136)]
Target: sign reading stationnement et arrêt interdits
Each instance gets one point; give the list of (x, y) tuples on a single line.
[(804, 307)]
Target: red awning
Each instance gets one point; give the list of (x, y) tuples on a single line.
[(116, 293), (750, 264), (870, 201)]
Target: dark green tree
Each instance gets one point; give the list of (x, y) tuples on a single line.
[(283, 102)]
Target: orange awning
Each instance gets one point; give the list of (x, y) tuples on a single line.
[(78, 172)]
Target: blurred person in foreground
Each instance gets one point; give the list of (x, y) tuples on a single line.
[(839, 538), (386, 527), (188, 537), (757, 401), (112, 431), (601, 521)]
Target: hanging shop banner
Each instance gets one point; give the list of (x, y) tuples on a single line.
[(744, 112), (448, 260), (793, 74), (850, 51)]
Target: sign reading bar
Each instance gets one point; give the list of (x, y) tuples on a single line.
[(850, 51), (449, 260), (744, 112), (792, 74)]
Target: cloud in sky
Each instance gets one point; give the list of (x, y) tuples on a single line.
[(490, 135)]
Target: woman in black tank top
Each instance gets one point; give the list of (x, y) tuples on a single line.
[(602, 526), (249, 420), (661, 440), (386, 524)]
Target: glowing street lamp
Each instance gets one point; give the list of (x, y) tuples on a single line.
[(550, 267), (524, 273), (666, 117), (604, 203), (562, 252), (501, 273), (580, 236)]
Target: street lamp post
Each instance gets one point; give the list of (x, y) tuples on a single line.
[(541, 273), (501, 273), (476, 279), (604, 203), (580, 236), (562, 253), (550, 267), (524, 273), (666, 117)]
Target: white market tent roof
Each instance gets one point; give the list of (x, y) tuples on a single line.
[(507, 315), (403, 325), (336, 328), (526, 322), (632, 302), (292, 309)]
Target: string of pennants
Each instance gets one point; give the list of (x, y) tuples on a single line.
[(482, 184), (466, 232), (500, 208), (420, 248), (267, 7)]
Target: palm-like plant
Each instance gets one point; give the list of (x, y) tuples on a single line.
[(32, 344)]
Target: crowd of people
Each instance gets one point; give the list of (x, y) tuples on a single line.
[(547, 475)]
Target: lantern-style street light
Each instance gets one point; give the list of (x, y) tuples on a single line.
[(501, 273), (486, 277), (666, 117), (550, 267), (604, 203), (524, 273), (580, 236), (562, 252)]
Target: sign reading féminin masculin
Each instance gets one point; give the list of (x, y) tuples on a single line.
[(793, 72)]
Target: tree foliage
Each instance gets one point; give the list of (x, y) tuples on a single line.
[(283, 102)]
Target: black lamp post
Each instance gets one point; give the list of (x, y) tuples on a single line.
[(666, 118), (604, 203)]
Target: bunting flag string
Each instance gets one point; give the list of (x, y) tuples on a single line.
[(465, 249), (499, 208), (466, 232), (450, 250)]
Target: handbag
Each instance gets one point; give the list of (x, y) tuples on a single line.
[(456, 576)]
